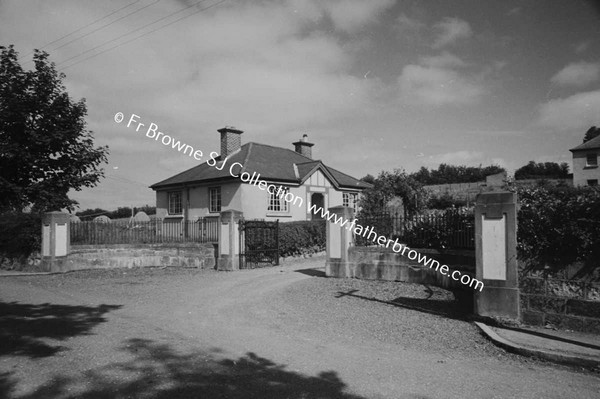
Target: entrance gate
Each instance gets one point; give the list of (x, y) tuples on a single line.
[(259, 243)]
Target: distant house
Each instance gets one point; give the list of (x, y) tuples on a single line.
[(585, 163), (217, 185)]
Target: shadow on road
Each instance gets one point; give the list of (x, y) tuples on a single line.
[(24, 328), (458, 309), (313, 272), (157, 371)]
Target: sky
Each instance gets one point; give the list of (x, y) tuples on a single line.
[(375, 84)]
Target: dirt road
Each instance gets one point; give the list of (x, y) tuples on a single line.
[(281, 332)]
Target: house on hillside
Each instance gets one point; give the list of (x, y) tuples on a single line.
[(219, 184), (585, 163)]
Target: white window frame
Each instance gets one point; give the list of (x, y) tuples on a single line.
[(278, 204), (214, 199), (350, 200), (173, 205)]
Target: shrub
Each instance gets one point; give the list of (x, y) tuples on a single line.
[(20, 234), (302, 237), (558, 226)]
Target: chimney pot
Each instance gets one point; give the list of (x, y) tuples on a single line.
[(303, 147)]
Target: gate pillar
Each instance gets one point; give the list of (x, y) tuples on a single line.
[(496, 255), (229, 240), (339, 240), (56, 240)]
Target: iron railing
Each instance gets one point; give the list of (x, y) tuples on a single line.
[(155, 231), (449, 230)]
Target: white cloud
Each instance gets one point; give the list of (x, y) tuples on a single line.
[(444, 60), (405, 24), (437, 86), (577, 112), (350, 15), (450, 30), (577, 74)]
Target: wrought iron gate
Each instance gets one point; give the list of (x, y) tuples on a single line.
[(259, 243)]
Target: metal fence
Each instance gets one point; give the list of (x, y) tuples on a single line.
[(155, 231), (450, 230)]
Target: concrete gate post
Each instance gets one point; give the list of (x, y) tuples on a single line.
[(56, 240), (229, 240), (339, 240), (496, 255)]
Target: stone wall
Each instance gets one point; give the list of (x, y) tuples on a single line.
[(134, 255), (566, 304), (376, 263)]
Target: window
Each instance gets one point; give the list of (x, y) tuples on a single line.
[(591, 160), (592, 182), (349, 199), (277, 203), (175, 203), (214, 199)]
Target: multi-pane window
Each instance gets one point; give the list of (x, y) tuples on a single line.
[(175, 207), (277, 203), (349, 199), (591, 160), (592, 182), (214, 199)]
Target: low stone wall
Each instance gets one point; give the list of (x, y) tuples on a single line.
[(565, 304), (134, 255), (376, 263)]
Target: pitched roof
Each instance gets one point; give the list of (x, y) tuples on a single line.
[(272, 163), (588, 145)]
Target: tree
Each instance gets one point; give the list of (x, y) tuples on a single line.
[(45, 149), (546, 170), (591, 133), (389, 185), (446, 174)]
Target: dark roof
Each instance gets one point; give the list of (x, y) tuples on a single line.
[(588, 145), (272, 163)]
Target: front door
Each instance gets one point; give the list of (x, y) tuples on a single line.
[(318, 201)]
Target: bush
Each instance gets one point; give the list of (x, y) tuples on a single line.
[(20, 235), (300, 238), (558, 226)]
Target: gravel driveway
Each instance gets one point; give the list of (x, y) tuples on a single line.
[(283, 332)]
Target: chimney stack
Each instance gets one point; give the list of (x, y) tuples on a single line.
[(231, 140), (303, 147)]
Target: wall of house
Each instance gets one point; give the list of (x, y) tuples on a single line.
[(581, 174), (198, 205), (256, 202)]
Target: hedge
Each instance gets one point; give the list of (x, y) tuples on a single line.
[(20, 234), (302, 237)]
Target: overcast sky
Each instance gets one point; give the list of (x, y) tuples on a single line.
[(376, 85)]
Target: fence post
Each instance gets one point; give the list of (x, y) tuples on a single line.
[(338, 242), (496, 255), (229, 240), (56, 240)]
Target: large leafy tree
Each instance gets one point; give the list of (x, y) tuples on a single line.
[(446, 174), (539, 170), (389, 185), (592, 132), (45, 148)]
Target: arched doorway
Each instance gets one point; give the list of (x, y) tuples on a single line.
[(318, 202)]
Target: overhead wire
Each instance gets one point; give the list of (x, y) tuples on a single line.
[(137, 37), (82, 28)]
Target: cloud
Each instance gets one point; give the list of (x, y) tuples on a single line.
[(436, 86), (405, 24), (450, 30), (577, 74), (577, 112), (351, 15), (444, 60), (582, 46)]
